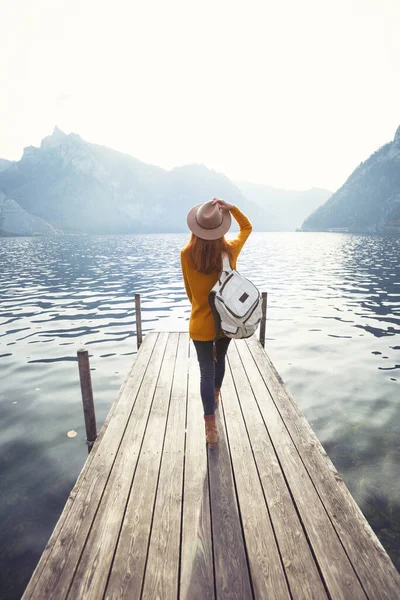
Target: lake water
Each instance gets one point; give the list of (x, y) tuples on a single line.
[(333, 332)]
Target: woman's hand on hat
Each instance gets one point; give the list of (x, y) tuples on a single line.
[(222, 204)]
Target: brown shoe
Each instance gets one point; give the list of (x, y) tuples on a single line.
[(217, 392), (211, 431)]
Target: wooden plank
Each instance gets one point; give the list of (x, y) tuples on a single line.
[(93, 569), (267, 574), (378, 575), (162, 568), (232, 577), (128, 566), (197, 573), (266, 430), (85, 496), (47, 551)]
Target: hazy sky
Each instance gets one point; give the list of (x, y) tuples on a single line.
[(292, 93)]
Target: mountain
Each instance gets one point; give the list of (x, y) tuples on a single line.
[(369, 201), (79, 187), (288, 208), (4, 164), (14, 220)]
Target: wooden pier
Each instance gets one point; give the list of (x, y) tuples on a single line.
[(155, 515)]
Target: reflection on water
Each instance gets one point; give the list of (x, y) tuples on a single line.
[(333, 333)]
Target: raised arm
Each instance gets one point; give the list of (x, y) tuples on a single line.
[(245, 229)]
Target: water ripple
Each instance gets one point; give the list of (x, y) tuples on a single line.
[(333, 313)]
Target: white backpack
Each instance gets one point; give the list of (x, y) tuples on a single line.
[(235, 303)]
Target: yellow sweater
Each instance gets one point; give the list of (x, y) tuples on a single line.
[(198, 285)]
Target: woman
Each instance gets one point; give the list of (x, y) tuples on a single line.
[(201, 262)]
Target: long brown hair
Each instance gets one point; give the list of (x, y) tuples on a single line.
[(206, 255)]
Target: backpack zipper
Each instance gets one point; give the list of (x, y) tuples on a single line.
[(231, 311), (254, 308), (225, 282)]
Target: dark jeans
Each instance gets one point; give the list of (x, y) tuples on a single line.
[(211, 372)]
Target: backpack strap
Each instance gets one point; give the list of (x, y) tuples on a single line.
[(217, 322), (226, 265)]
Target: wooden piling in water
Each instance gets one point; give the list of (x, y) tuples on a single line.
[(138, 321), (87, 397), (264, 296)]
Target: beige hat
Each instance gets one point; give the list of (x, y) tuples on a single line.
[(208, 221)]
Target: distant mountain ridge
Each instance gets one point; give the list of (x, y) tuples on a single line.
[(288, 208), (14, 219), (369, 201), (78, 187), (4, 164)]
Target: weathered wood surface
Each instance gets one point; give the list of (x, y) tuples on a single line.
[(197, 573), (301, 571), (162, 568), (376, 572), (155, 515), (266, 569)]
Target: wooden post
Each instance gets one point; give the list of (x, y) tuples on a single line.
[(264, 296), (87, 397), (138, 321)]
